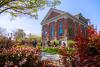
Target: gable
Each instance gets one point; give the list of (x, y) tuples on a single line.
[(53, 14)]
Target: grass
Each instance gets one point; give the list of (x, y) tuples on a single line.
[(51, 50)]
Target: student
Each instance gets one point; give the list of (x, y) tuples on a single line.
[(35, 43), (59, 43), (64, 44), (49, 43), (41, 44), (55, 44)]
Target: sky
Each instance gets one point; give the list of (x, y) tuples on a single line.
[(89, 9)]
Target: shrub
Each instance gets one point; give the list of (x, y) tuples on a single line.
[(56, 42), (18, 53), (71, 43)]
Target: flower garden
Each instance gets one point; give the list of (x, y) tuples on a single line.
[(81, 52)]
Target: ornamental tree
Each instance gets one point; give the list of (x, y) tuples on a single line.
[(87, 48), (25, 7), (93, 36)]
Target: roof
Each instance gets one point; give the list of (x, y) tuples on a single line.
[(61, 13)]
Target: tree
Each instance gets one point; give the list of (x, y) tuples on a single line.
[(25, 7), (93, 36), (2, 31), (87, 49), (2, 34), (19, 34), (33, 37)]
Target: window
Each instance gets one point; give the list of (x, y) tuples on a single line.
[(70, 31), (76, 28), (83, 30), (61, 29), (52, 30)]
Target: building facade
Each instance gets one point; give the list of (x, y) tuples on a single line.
[(61, 25)]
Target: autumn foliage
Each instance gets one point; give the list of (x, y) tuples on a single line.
[(87, 48), (93, 36)]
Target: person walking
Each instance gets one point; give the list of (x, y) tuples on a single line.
[(49, 43), (35, 43)]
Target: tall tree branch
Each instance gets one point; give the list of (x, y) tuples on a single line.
[(4, 10)]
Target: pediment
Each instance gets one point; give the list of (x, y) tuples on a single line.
[(52, 13)]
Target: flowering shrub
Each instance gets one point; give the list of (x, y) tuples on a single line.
[(93, 36), (21, 55), (71, 43), (87, 49)]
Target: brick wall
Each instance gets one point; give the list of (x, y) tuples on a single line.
[(76, 27)]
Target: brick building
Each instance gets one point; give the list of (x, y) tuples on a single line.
[(61, 25)]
